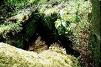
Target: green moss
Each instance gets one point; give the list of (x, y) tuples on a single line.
[(10, 27), (14, 57), (69, 18)]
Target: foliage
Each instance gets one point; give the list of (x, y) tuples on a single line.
[(15, 25), (10, 27), (67, 17), (9, 30), (74, 21), (19, 3)]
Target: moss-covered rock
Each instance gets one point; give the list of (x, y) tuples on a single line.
[(71, 18), (11, 56)]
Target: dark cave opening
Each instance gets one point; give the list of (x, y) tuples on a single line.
[(49, 37)]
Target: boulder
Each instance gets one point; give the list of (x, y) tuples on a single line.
[(11, 56)]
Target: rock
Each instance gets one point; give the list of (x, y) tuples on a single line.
[(11, 56), (38, 45)]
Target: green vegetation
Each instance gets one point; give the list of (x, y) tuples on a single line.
[(19, 4), (20, 20)]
